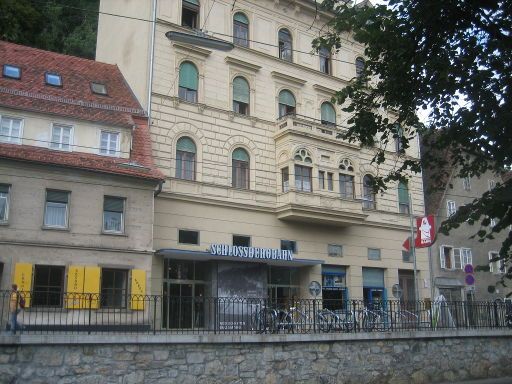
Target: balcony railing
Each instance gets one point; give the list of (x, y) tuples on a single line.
[(152, 314), (306, 124)]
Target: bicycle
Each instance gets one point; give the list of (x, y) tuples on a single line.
[(377, 319), (264, 319), (293, 320), (340, 320)]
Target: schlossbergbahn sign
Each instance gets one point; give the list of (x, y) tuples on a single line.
[(251, 252)]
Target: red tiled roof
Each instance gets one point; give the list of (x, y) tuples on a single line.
[(75, 98)]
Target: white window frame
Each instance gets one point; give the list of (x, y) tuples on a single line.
[(337, 247), (7, 205), (455, 258), (466, 256), (118, 145), (451, 208), (9, 139), (495, 266), (123, 215), (58, 145), (66, 217)]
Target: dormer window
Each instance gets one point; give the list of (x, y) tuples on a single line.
[(11, 71), (99, 88), (53, 79)]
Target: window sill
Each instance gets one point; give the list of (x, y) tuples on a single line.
[(46, 228), (4, 223), (121, 234)]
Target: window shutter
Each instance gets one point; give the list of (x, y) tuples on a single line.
[(328, 113), (195, 2), (188, 76), (138, 289), (57, 196), (241, 90), (286, 98), (23, 279), (441, 258), (75, 287), (241, 18), (457, 264), (113, 204), (186, 144), (92, 286), (403, 193), (373, 277), (240, 154)]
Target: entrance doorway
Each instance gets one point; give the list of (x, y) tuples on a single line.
[(406, 282), (185, 287), (283, 286), (373, 287)]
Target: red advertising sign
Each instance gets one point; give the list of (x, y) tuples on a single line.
[(425, 233)]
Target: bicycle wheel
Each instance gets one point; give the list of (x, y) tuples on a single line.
[(323, 322), (368, 322), (384, 322), (348, 321), (301, 322)]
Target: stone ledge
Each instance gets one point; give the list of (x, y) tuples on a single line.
[(63, 339)]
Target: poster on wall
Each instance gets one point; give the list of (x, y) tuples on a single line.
[(241, 287)]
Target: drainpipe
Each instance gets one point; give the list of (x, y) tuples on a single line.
[(151, 60)]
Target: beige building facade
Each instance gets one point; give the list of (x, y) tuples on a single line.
[(248, 142)]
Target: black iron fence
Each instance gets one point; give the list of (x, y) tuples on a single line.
[(152, 314)]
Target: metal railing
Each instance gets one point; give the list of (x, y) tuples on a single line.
[(152, 314)]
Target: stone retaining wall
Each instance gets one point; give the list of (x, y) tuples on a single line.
[(277, 360)]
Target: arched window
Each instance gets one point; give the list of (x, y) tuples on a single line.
[(359, 66), (240, 162), (185, 159), (325, 60), (368, 194), (286, 103), (285, 45), (190, 13), (240, 96), (240, 29), (403, 198), (328, 114), (303, 173), (189, 79), (346, 180)]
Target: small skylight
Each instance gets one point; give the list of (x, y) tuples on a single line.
[(11, 71), (53, 79), (98, 88)]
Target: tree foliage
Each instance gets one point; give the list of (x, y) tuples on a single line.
[(61, 26), (451, 58)]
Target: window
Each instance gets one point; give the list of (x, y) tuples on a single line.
[(368, 194), (241, 96), (190, 13), (450, 258), (328, 114), (189, 79), (496, 266), (492, 184), (451, 208), (373, 254), (493, 222), (334, 250), (240, 29), (346, 186), (403, 198), (359, 66), (48, 286), (61, 137), (325, 60), (113, 214), (241, 241), (407, 256), (303, 178), (4, 202), (286, 103), (53, 79), (289, 245), (11, 71), (188, 237), (10, 130), (330, 181), (346, 165), (321, 179), (285, 45), (109, 143), (99, 88), (240, 169), (185, 159), (285, 176), (56, 209), (467, 257), (398, 138), (114, 288), (466, 183)]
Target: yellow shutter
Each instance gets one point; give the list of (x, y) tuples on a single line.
[(75, 288), (138, 289), (92, 286), (23, 279)]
